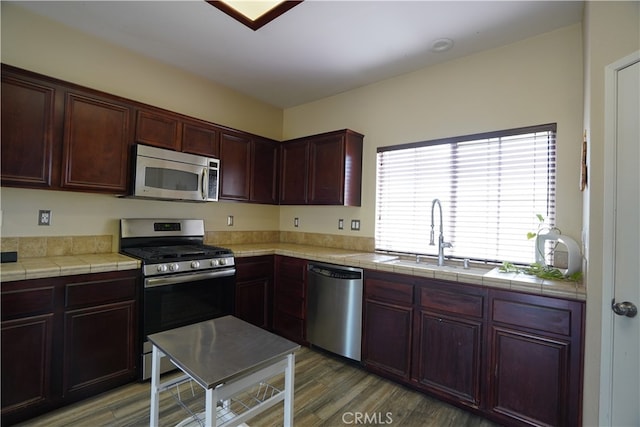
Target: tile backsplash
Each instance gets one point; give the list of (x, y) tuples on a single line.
[(31, 247)]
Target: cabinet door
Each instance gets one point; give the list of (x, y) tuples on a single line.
[(235, 166), (264, 171), (387, 338), (97, 137), (448, 355), (293, 173), (98, 348), (326, 170), (27, 133), (157, 129), (254, 288), (201, 139), (26, 364), (536, 359), (289, 298)]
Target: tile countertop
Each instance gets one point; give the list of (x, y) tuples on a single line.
[(35, 268), (484, 276), (54, 266)]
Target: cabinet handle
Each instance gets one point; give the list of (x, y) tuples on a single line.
[(625, 308)]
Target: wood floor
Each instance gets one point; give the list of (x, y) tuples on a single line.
[(328, 392)]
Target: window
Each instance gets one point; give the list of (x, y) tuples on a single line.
[(491, 187)]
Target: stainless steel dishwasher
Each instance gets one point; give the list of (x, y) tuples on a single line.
[(334, 308)]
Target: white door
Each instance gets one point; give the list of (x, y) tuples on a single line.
[(620, 391)]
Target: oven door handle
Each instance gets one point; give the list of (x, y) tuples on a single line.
[(153, 282)]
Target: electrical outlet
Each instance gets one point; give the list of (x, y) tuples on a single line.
[(44, 217), (355, 224), (230, 220), (296, 222), (340, 224)]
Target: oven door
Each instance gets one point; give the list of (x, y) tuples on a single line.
[(183, 299)]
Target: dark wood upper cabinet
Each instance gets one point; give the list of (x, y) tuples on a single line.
[(235, 165), (63, 136), (173, 131), (294, 161), (248, 167), (158, 130), (323, 169), (96, 143), (264, 171), (27, 132), (201, 138)]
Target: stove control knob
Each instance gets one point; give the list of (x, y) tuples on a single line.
[(174, 267), (162, 268), (223, 261), (214, 262), (195, 264)]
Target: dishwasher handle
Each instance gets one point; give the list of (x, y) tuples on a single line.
[(334, 273)]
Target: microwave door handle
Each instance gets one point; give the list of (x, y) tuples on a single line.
[(205, 184)]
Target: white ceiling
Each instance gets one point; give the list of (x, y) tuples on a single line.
[(317, 49)]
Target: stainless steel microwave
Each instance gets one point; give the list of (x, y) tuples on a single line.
[(171, 175)]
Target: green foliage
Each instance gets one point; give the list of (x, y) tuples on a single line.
[(542, 271)]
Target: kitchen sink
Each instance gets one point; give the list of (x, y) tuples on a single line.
[(451, 266)]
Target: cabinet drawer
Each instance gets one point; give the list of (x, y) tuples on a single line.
[(99, 292), (534, 312), (385, 291), (453, 301), (23, 302), (292, 268), (253, 268)]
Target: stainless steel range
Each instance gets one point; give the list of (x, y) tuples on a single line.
[(185, 281)]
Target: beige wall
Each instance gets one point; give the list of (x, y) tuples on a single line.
[(611, 32), (536, 81)]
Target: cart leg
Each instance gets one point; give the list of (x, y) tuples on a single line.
[(288, 390), (155, 382), (211, 412)]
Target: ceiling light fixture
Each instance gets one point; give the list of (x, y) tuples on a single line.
[(441, 45), (254, 13)]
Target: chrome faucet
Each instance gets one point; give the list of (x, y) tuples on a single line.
[(441, 243)]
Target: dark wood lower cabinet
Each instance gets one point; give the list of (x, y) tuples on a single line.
[(387, 338), (536, 364), (514, 357), (97, 348), (289, 299), (26, 369), (447, 357), (65, 339), (254, 290)]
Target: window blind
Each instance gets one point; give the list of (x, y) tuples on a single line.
[(491, 187)]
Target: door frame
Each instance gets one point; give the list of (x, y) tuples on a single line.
[(608, 241)]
